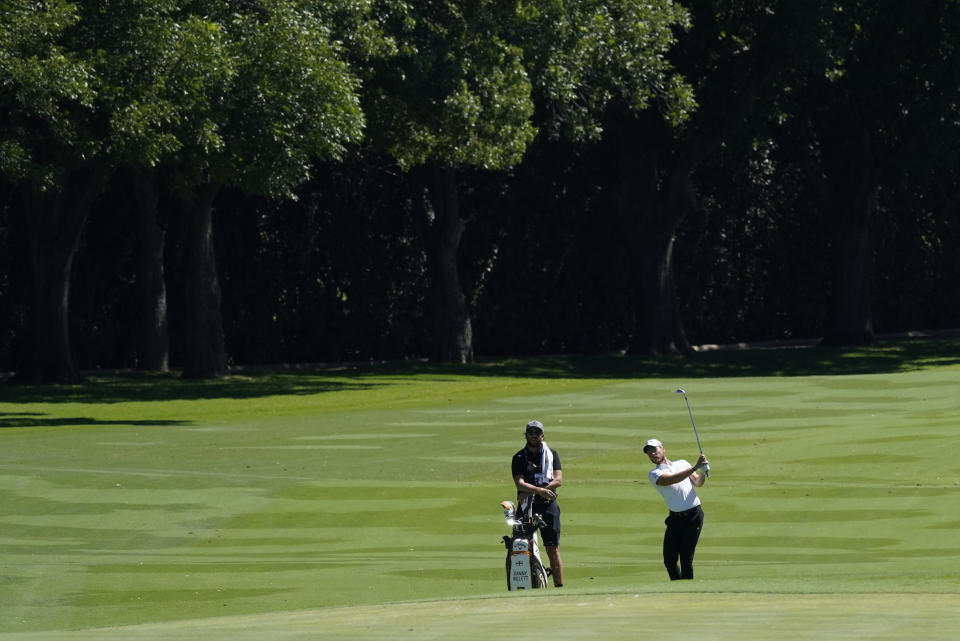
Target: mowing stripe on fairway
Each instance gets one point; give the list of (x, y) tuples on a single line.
[(614, 617)]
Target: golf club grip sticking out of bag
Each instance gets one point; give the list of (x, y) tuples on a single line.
[(706, 468)]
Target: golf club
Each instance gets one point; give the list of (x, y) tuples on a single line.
[(705, 468)]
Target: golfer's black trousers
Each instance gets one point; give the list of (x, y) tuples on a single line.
[(680, 542)]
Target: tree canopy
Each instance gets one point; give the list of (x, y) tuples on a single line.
[(359, 179)]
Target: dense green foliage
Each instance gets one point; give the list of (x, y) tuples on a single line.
[(769, 169)]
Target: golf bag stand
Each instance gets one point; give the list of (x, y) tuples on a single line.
[(525, 570)]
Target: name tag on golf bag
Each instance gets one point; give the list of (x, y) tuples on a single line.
[(524, 569)]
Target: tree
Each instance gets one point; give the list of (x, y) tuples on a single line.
[(879, 102), (165, 67), (212, 93), (612, 59), (455, 96), (293, 99), (279, 96), (731, 56), (51, 151), (462, 91)]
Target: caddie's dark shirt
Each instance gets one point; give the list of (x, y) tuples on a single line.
[(527, 465)]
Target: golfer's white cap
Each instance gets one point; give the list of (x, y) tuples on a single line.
[(534, 426), (652, 443)]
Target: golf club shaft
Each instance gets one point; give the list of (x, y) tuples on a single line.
[(705, 468), (690, 412)]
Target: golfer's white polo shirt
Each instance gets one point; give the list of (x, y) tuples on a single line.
[(679, 496)]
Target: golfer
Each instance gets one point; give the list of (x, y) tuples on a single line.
[(675, 481), (537, 474)]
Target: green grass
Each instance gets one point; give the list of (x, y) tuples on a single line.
[(363, 503)]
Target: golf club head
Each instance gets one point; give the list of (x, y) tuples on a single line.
[(680, 391)]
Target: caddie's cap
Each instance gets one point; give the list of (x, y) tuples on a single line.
[(535, 426), (652, 443)]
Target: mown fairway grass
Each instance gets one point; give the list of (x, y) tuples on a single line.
[(363, 503)]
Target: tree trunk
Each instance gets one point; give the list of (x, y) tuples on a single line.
[(53, 223), (846, 180), (441, 228), (849, 316), (659, 327), (205, 353), (656, 190), (152, 334), (654, 195)]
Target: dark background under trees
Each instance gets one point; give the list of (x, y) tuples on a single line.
[(813, 192)]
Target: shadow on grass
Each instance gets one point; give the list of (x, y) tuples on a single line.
[(886, 357), (127, 386), (38, 419)]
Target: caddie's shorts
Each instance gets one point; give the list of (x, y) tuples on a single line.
[(550, 531)]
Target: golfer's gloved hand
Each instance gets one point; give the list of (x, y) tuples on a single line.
[(703, 465)]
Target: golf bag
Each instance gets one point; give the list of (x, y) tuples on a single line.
[(525, 571)]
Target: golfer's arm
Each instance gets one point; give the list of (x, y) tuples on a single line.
[(557, 480), (523, 486), (526, 488), (673, 479)]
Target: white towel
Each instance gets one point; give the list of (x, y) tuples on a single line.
[(545, 475)]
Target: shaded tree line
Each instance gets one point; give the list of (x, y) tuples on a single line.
[(195, 184)]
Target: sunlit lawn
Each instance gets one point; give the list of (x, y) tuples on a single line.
[(363, 503)]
